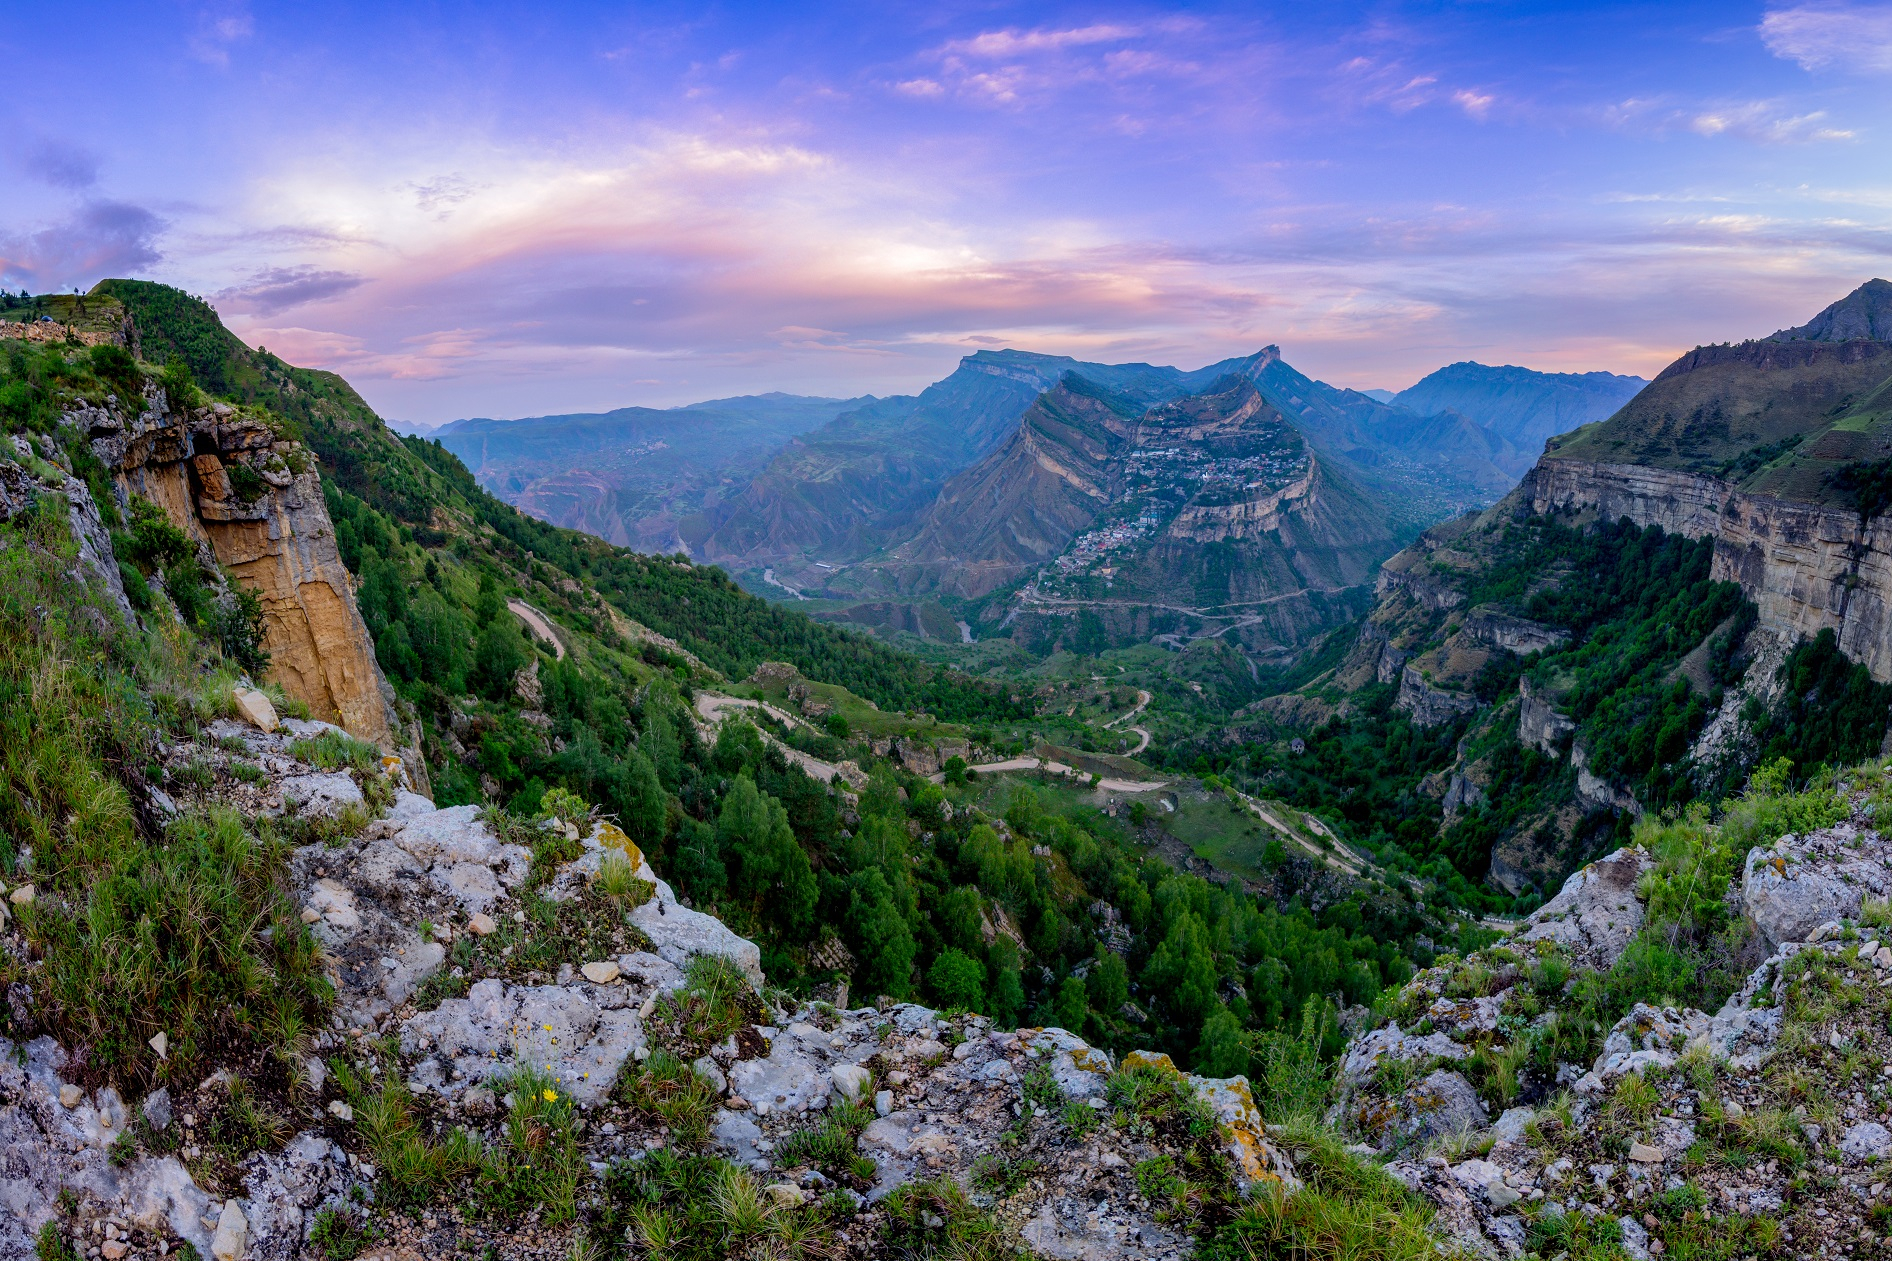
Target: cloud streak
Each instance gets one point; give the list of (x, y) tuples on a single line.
[(1821, 36)]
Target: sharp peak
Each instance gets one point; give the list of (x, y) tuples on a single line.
[(1863, 314)]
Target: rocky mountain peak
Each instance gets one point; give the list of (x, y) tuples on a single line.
[(1865, 314)]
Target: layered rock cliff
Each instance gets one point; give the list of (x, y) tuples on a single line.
[(1807, 566), (237, 482)]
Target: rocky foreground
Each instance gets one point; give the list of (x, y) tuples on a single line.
[(1759, 1128), (467, 950), (446, 983)]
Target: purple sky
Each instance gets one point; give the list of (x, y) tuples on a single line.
[(489, 210)]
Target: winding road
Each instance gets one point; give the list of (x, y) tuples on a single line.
[(538, 624), (1143, 702)]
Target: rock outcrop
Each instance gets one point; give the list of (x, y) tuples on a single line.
[(236, 482), (1596, 913), (1718, 1111), (394, 908), (1799, 883)]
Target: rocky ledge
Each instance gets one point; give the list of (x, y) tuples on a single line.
[(1759, 1128)]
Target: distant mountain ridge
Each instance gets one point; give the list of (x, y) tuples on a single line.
[(632, 475), (842, 492), (1519, 407)]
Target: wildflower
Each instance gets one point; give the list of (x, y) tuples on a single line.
[(551, 1095)]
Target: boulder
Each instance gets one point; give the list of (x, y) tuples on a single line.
[(1442, 1103), (1650, 1038), (849, 1080), (1388, 1044), (321, 794), (1596, 913), (1255, 1158), (467, 1040), (1799, 883), (681, 934), (256, 709), (785, 1080), (1867, 1140)]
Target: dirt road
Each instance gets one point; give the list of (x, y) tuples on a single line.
[(538, 624)]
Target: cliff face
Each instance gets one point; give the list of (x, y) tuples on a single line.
[(1806, 566), (232, 481)]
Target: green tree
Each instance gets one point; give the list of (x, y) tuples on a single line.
[(1183, 968), (489, 604), (1109, 982), (1072, 1005), (770, 865), (881, 939), (958, 917), (1221, 1052), (657, 737), (956, 979), (439, 636), (1006, 996), (642, 805), (698, 866), (499, 654)]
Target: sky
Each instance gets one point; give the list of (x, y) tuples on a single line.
[(514, 210)]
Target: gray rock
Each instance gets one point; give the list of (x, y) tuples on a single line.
[(321, 794), (1867, 1140), (465, 1041), (1511, 1127), (883, 1102), (1079, 1068), (710, 1071), (1442, 1103), (1635, 1238), (1650, 1038), (1388, 1044), (1799, 884), (849, 1080), (157, 1108), (44, 1148), (409, 805), (283, 1187), (1071, 1229), (1597, 911), (457, 835), (784, 1080), (681, 934), (647, 973), (736, 1134)]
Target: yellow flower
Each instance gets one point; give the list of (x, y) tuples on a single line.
[(550, 1094)]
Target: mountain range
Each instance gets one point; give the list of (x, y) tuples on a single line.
[(1016, 458)]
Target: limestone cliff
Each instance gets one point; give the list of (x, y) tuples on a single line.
[(234, 480), (1806, 566)]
